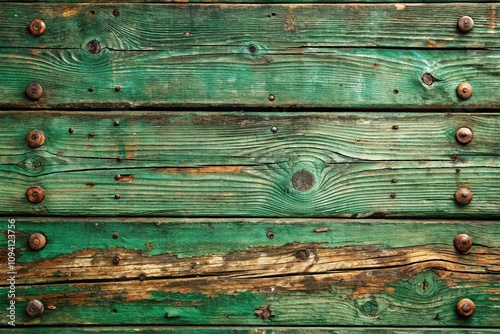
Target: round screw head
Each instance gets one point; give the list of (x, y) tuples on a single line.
[(462, 243), (274, 129), (466, 307), (464, 135), (37, 241), (465, 24), (271, 97), (302, 180), (34, 91), (34, 308), (37, 27), (35, 138), (463, 196), (464, 91), (35, 194)]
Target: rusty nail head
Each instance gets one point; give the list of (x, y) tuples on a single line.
[(116, 260), (274, 129), (115, 235), (464, 91), (252, 48), (118, 88), (464, 135), (462, 243), (466, 307), (116, 12), (463, 196), (37, 27), (393, 195), (90, 135), (35, 138), (34, 91), (465, 24), (35, 194), (117, 196), (271, 97), (71, 130), (34, 308), (302, 180), (142, 277), (116, 123), (395, 127), (37, 241), (118, 176), (394, 181), (270, 234), (119, 158)]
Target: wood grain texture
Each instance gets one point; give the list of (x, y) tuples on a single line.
[(235, 77), (382, 297), (250, 330), (167, 27), (83, 249), (215, 164), (255, 1), (197, 139)]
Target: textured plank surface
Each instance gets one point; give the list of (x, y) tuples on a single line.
[(233, 76), (167, 248), (383, 297), (167, 27), (208, 164), (251, 330), (257, 1), (223, 272)]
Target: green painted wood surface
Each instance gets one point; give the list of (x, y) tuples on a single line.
[(219, 271), (174, 248), (210, 164), (232, 76), (249, 330), (259, 1), (161, 27)]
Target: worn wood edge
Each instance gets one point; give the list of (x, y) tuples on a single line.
[(238, 138), (285, 247), (431, 26), (360, 78)]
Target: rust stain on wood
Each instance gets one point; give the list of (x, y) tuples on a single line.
[(493, 17), (126, 178), (69, 11)]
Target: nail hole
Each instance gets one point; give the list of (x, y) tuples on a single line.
[(273, 14), (393, 195), (252, 48), (270, 234), (92, 12), (91, 89), (116, 12), (93, 47), (90, 135), (395, 91), (71, 130), (114, 310), (457, 170)]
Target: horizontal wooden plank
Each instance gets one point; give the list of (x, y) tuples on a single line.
[(161, 27), (253, 330), (381, 297), (255, 1), (81, 249), (183, 139), (233, 76), (422, 189)]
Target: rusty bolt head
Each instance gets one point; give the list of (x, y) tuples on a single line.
[(35, 194), (463, 196), (37, 27), (464, 135), (37, 241), (302, 180), (34, 91), (464, 91), (462, 243), (465, 24), (466, 307), (35, 138), (34, 308)]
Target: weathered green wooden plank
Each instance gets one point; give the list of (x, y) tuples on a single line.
[(233, 76), (177, 139), (240, 248), (251, 330), (256, 1), (381, 297), (160, 27), (342, 190)]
